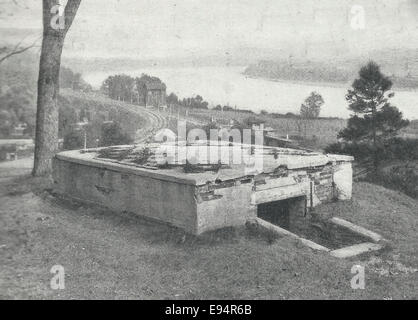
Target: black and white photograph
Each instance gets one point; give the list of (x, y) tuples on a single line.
[(208, 150)]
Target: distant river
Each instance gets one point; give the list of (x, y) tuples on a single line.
[(228, 86)]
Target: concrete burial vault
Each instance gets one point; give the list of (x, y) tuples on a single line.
[(200, 197), (178, 184)]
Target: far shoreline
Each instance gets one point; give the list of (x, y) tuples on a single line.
[(319, 83), (95, 78)]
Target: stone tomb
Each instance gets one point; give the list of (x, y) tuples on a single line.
[(202, 197)]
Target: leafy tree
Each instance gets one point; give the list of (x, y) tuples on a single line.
[(228, 108), (195, 103), (5, 123), (290, 115), (73, 80), (112, 134), (74, 140), (375, 120), (172, 99), (252, 120), (147, 78), (311, 108), (125, 88), (210, 126), (17, 106), (119, 87)]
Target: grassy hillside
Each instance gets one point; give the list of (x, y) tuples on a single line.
[(114, 256), (321, 131), (97, 109)]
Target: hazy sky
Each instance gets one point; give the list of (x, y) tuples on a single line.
[(161, 28)]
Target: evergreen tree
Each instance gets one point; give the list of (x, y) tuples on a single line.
[(375, 120)]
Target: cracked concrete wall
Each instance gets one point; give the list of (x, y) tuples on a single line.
[(228, 206), (322, 184), (198, 208), (166, 201), (343, 180)]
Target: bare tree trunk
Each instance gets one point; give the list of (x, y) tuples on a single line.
[(375, 152), (18, 50), (46, 137)]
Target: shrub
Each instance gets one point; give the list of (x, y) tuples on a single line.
[(402, 149), (402, 178), (113, 135), (74, 140), (393, 149), (358, 150)]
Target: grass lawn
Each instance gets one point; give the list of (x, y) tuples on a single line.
[(120, 256)]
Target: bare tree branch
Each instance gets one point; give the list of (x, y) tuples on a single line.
[(18, 50)]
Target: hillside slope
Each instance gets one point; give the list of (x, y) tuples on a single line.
[(114, 256), (138, 122)]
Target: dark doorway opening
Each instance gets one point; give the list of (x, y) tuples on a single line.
[(290, 214), (283, 213)]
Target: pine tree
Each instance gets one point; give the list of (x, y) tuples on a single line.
[(375, 120)]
